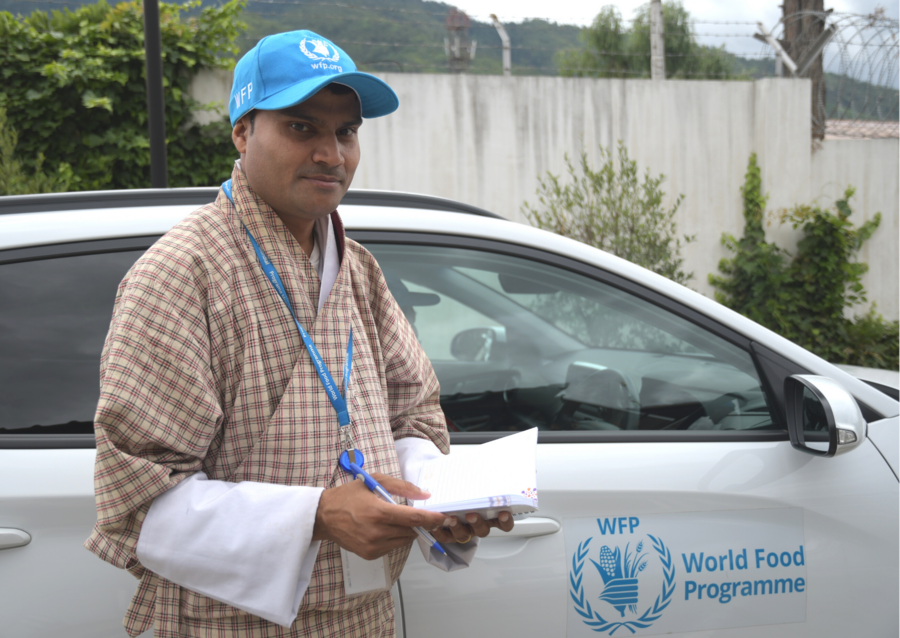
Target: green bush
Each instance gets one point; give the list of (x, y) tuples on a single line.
[(75, 90), (613, 210), (15, 180), (803, 297)]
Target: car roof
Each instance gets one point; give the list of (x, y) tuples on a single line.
[(151, 197), (32, 220)]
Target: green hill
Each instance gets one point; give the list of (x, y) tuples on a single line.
[(408, 36)]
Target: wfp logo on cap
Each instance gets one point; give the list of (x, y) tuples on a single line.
[(319, 50), (243, 95)]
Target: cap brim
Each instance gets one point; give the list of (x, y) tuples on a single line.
[(375, 96)]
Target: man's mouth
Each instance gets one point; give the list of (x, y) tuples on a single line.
[(323, 181)]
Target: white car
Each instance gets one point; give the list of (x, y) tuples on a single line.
[(697, 474)]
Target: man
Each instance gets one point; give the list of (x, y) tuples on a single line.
[(218, 432)]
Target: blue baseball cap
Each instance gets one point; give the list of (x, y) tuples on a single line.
[(287, 68)]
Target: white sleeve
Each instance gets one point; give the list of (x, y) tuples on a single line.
[(245, 544), (413, 453)]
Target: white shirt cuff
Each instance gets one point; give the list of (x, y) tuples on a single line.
[(245, 544)]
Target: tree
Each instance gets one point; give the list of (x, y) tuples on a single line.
[(611, 51), (605, 53), (612, 209)]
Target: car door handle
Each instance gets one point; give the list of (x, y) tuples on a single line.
[(532, 526), (10, 538)]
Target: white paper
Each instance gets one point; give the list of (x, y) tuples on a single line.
[(489, 477), (413, 453)]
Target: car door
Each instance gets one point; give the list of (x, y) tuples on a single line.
[(57, 302), (671, 500)]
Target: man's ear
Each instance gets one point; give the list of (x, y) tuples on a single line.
[(240, 133)]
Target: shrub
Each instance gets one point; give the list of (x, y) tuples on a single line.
[(612, 209), (15, 180), (804, 297), (74, 89)]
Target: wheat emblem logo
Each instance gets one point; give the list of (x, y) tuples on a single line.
[(318, 50), (620, 571)]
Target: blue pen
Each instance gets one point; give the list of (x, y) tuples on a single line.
[(375, 486)]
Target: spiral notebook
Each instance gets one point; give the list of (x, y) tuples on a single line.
[(498, 476)]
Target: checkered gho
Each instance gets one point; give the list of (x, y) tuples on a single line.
[(203, 369)]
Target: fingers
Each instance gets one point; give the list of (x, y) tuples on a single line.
[(399, 487), (480, 527), (505, 522), (462, 530), (443, 535), (412, 517), (371, 549), (462, 533), (477, 526), (359, 521), (453, 530)]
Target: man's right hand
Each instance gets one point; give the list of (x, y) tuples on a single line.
[(359, 521)]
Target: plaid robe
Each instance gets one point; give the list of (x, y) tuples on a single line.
[(203, 369)]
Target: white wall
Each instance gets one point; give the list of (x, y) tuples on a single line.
[(872, 167), (484, 140)]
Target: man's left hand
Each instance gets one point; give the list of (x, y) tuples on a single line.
[(463, 529)]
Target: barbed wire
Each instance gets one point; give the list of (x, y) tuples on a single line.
[(861, 55), (436, 23), (421, 45), (444, 13), (341, 5), (593, 73)]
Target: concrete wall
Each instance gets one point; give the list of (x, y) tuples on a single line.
[(872, 167), (485, 139)]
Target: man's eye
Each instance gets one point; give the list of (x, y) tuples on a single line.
[(299, 126), (349, 132)]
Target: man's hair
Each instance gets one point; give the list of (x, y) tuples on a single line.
[(339, 89), (334, 88)]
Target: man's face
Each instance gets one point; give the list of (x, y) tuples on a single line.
[(301, 160)]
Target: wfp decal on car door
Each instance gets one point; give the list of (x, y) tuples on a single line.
[(643, 575)]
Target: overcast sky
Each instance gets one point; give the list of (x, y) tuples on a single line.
[(582, 13)]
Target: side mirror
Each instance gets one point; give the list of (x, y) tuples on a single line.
[(823, 418), (476, 344)]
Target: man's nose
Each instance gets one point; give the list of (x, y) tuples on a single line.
[(328, 151)]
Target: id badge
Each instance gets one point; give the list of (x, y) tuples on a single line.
[(363, 576)]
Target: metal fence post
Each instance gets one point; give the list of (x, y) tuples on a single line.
[(504, 39), (657, 43), (156, 105)]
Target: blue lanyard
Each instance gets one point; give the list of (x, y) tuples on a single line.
[(337, 401)]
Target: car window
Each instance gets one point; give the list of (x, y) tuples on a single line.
[(518, 344), (432, 322), (56, 313)]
